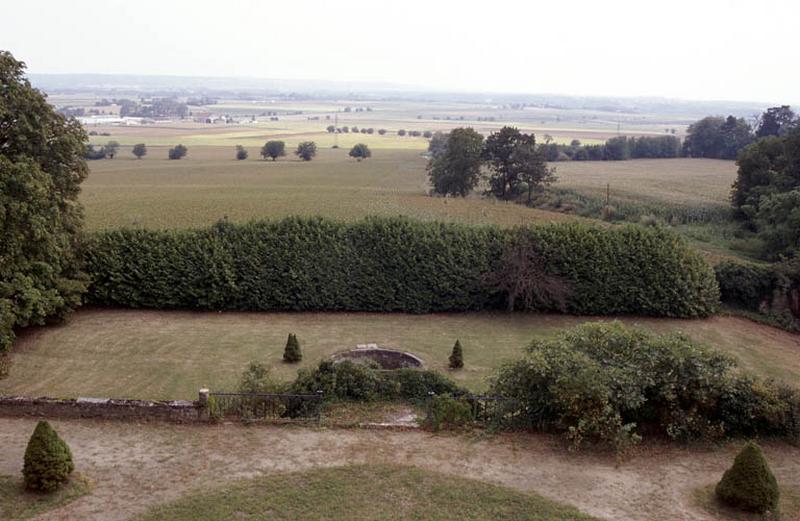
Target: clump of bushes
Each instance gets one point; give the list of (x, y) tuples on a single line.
[(749, 484), (363, 381), (447, 412), (302, 264), (772, 290), (292, 353), (457, 356), (610, 383), (257, 379), (48, 460)]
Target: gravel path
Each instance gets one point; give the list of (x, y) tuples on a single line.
[(135, 466)]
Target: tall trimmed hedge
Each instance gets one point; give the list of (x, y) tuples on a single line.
[(390, 265)]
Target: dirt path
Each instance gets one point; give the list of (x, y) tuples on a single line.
[(136, 466)]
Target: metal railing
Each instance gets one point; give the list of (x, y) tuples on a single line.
[(265, 406)]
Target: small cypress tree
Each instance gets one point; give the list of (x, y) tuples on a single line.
[(291, 353), (749, 484), (48, 460), (457, 356)]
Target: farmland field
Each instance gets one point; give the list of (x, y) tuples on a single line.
[(171, 354), (679, 182), (209, 184)]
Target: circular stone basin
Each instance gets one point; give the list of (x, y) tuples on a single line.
[(385, 358)]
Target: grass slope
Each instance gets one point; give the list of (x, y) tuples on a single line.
[(171, 354), (361, 493), (17, 504)]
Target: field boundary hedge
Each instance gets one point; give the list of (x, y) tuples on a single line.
[(395, 264)]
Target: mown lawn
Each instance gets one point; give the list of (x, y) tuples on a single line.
[(171, 354), (361, 493)]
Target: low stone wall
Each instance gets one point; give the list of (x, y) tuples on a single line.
[(178, 411)]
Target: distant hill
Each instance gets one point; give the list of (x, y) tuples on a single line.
[(321, 89)]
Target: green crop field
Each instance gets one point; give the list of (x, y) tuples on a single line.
[(682, 182), (171, 354), (209, 184)]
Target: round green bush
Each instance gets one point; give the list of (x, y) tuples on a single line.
[(48, 460), (749, 484)]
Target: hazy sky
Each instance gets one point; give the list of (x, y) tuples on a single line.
[(698, 49)]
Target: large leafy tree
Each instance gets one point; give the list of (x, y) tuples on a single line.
[(41, 168), (498, 153), (767, 191), (717, 137), (777, 121), (456, 170)]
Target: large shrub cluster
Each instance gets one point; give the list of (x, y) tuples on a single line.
[(391, 265), (609, 383), (773, 290), (350, 381)]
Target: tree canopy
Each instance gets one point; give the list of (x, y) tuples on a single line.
[(457, 170), (306, 150), (273, 150), (717, 137), (360, 151), (41, 169)]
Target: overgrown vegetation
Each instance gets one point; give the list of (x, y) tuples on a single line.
[(749, 484), (48, 460), (350, 381), (447, 412), (316, 264), (769, 289), (608, 383)]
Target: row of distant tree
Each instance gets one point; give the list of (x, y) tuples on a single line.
[(381, 131), (718, 137), (306, 151)]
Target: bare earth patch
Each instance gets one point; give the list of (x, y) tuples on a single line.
[(136, 466)]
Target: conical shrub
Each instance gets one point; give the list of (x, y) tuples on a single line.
[(48, 460), (457, 356), (291, 353), (749, 484)]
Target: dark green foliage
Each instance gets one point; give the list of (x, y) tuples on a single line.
[(767, 191), (773, 289), (777, 121), (749, 484), (609, 383), (615, 149), (457, 169), (177, 152), (317, 264), (48, 460), (241, 153), (139, 150), (306, 150), (447, 412), (360, 151), (292, 353), (352, 381), (41, 169), (744, 285), (717, 137), (273, 150), (457, 356)]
